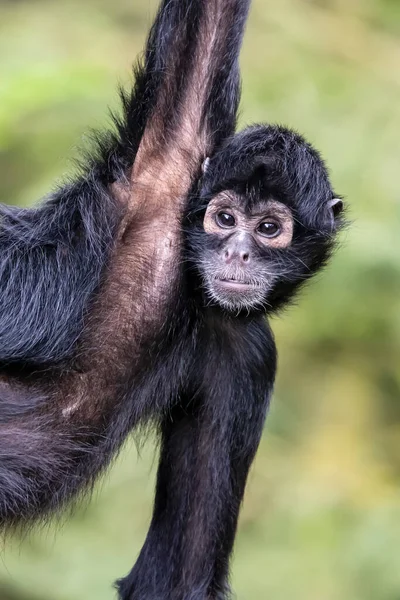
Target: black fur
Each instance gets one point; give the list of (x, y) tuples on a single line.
[(201, 375), (211, 436), (51, 260), (263, 162), (209, 439)]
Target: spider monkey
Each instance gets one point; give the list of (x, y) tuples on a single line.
[(138, 293)]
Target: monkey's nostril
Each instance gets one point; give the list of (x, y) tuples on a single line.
[(226, 254), (245, 257)]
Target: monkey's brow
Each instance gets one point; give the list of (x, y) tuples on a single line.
[(271, 205), (260, 209), (241, 203)]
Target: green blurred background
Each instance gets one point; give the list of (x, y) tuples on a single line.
[(321, 518)]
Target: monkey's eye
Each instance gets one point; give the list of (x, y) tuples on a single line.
[(225, 220), (269, 229)]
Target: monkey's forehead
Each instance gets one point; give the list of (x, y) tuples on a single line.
[(242, 203)]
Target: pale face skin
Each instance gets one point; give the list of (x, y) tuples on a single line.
[(269, 212), (238, 275)]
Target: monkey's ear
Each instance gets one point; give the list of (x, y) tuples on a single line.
[(336, 207), (205, 165)]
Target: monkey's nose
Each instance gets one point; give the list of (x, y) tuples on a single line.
[(242, 256)]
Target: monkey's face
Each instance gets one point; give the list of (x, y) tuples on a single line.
[(265, 220), (235, 267)]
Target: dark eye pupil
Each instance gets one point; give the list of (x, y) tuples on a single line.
[(269, 229), (225, 219)]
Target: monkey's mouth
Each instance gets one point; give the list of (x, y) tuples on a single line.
[(235, 292), (233, 284)]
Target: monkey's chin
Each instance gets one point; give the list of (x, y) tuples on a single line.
[(235, 295)]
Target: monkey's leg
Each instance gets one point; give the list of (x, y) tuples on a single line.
[(206, 454)]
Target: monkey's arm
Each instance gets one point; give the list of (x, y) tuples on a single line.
[(192, 74), (105, 254), (183, 104), (208, 446)]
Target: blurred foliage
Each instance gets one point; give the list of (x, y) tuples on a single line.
[(321, 518)]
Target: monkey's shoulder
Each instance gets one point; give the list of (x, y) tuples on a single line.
[(243, 345)]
